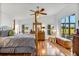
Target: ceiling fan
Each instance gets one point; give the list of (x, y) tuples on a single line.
[(38, 11)]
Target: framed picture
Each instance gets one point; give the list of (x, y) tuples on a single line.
[(25, 29)]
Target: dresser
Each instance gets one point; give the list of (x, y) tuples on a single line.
[(76, 44), (41, 35)]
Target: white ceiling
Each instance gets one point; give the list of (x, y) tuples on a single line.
[(21, 10)]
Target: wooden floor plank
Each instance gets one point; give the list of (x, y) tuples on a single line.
[(62, 49)]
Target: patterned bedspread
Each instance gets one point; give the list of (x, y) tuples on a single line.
[(21, 43)]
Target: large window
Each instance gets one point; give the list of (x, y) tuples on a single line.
[(68, 25)]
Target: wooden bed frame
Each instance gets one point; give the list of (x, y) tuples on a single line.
[(18, 54), (15, 54)]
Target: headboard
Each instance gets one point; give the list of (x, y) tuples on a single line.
[(4, 31)]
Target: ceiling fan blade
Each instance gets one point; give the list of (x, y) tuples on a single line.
[(32, 14), (42, 10), (32, 10), (38, 7), (43, 13)]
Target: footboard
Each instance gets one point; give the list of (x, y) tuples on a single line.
[(17, 51)]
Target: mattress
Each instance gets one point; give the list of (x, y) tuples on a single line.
[(21, 43)]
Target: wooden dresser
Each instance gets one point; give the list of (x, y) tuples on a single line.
[(76, 44), (41, 35)]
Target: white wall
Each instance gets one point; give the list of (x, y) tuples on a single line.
[(67, 11), (48, 20), (0, 14), (6, 20)]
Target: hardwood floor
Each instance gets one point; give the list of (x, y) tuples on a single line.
[(63, 50), (66, 52), (52, 49), (42, 48)]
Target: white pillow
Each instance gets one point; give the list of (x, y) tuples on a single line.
[(1, 42), (4, 41)]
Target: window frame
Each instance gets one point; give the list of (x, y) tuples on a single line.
[(63, 32)]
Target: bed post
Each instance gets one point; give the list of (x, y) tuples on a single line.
[(37, 13), (36, 33), (14, 24)]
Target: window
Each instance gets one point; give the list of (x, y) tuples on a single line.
[(68, 25)]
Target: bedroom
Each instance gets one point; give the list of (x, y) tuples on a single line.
[(16, 22)]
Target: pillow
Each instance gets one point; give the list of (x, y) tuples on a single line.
[(4, 41), (10, 33), (4, 31), (1, 42)]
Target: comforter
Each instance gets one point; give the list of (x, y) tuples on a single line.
[(21, 43)]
